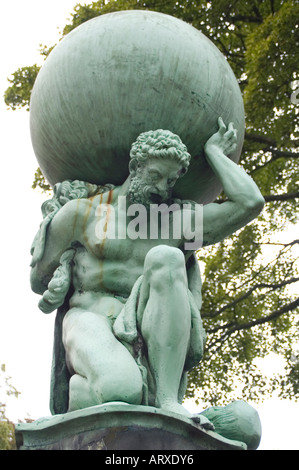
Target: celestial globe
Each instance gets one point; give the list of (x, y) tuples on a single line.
[(124, 73)]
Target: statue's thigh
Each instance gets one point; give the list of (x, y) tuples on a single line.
[(86, 337), (91, 346)]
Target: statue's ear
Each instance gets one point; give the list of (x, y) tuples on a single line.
[(133, 165)]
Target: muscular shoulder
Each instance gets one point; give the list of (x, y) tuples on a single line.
[(77, 211), (70, 210), (67, 219)]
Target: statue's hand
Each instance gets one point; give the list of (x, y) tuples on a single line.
[(224, 140)]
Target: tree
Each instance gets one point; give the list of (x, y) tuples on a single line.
[(7, 438), (250, 305)]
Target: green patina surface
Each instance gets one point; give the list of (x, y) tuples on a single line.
[(128, 324), (103, 427), (119, 75)]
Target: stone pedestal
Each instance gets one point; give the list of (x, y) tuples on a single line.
[(117, 426)]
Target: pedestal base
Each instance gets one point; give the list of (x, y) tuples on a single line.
[(116, 426)]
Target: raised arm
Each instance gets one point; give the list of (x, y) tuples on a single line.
[(244, 198)]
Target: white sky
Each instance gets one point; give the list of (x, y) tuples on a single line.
[(26, 333)]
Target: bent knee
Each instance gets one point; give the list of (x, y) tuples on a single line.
[(163, 255), (120, 386), (165, 268)]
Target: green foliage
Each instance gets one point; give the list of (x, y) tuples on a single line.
[(273, 65), (247, 311), (250, 305), (7, 439), (18, 94), (40, 182)]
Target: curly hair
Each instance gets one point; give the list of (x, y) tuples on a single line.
[(159, 144)]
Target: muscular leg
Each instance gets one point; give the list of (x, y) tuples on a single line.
[(103, 368), (165, 321)]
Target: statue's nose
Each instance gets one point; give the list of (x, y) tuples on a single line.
[(162, 186)]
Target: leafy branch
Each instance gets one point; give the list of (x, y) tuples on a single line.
[(262, 285), (233, 327)]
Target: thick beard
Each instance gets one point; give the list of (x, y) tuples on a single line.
[(139, 194), (146, 194)]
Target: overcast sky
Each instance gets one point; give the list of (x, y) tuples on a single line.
[(25, 333)]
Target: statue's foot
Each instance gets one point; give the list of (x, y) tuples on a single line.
[(203, 422), (175, 407)]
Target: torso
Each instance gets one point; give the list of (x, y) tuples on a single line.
[(106, 266)]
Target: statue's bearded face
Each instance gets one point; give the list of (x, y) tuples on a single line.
[(153, 180)]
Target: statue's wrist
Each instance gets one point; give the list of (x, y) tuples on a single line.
[(212, 150)]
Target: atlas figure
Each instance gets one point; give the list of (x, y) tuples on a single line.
[(130, 308)]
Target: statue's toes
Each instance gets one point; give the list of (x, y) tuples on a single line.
[(203, 422)]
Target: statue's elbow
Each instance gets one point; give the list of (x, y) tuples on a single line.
[(255, 205), (259, 204), (37, 285)]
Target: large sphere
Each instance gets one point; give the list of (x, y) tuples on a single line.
[(124, 73)]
